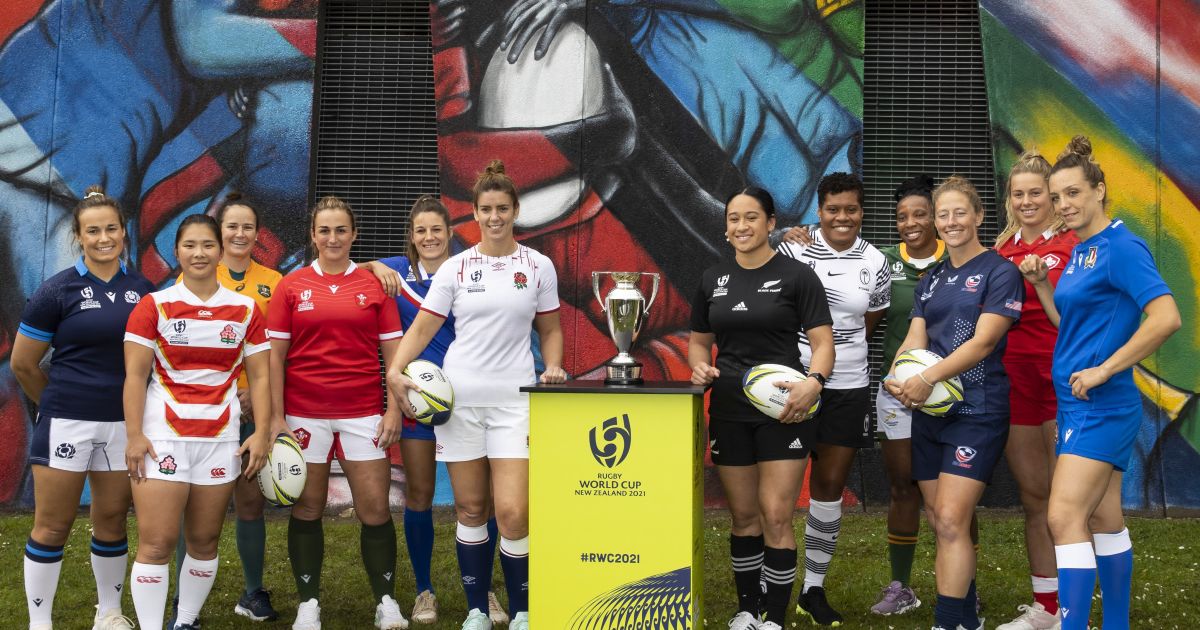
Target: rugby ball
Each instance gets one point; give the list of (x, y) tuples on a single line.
[(758, 383), (282, 478), (947, 395), (436, 398)]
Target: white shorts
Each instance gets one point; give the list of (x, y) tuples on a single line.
[(351, 439), (895, 420), (78, 445), (194, 462), (475, 432)]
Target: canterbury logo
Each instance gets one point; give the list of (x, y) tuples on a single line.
[(149, 579), (200, 574)]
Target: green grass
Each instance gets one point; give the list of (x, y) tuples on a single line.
[(1166, 575)]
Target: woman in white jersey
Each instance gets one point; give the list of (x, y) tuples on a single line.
[(498, 291)]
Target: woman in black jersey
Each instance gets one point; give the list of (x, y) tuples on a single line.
[(752, 307)]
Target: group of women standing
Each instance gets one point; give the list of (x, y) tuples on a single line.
[(1065, 418)]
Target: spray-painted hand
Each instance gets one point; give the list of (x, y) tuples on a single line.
[(448, 19), (526, 17)]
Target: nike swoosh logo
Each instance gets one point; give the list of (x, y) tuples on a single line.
[(830, 273)]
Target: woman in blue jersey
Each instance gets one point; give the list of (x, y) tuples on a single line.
[(1109, 284), (80, 430), (962, 311)]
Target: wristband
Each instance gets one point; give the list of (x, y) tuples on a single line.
[(818, 377), (922, 375)]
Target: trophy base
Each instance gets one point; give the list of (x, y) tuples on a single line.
[(624, 374)]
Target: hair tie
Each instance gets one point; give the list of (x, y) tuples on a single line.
[(93, 193)]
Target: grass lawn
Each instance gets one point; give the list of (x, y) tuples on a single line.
[(1166, 577)]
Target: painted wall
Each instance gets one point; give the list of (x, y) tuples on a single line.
[(1126, 74)]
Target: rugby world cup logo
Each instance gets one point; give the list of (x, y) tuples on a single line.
[(610, 441)]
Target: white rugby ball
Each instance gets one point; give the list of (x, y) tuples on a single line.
[(946, 396), (282, 478), (758, 383), (436, 398)]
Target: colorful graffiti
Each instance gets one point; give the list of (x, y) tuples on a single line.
[(1127, 74), (166, 104)]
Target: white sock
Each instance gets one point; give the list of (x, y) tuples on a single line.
[(195, 581), (821, 530), (148, 585), (109, 562), (41, 583)]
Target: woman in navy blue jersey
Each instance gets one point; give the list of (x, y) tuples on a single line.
[(80, 430)]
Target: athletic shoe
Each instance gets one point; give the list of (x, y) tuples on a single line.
[(425, 608), (520, 621), (495, 610), (388, 615), (476, 620), (308, 616), (185, 626), (111, 620), (1033, 617), (960, 627), (813, 604), (895, 599), (256, 606), (744, 621), (175, 615), (770, 625)]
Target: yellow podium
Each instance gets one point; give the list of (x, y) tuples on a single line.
[(615, 505)]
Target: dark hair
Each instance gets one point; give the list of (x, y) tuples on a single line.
[(493, 178), (918, 185), (235, 199), (763, 198), (424, 203), (94, 197), (1079, 154), (199, 219), (835, 183), (960, 184), (330, 202)]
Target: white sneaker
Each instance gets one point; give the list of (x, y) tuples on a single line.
[(388, 615), (425, 608), (1033, 617), (495, 610), (979, 628), (520, 621), (743, 621), (111, 620), (476, 620), (769, 625), (308, 616)]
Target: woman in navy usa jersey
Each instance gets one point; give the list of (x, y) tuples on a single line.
[(80, 429), (962, 311), (752, 307)]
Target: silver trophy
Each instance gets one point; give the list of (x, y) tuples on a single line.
[(627, 309)]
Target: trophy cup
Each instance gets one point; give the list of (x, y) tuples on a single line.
[(626, 309)]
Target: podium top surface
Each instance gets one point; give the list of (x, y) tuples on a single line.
[(598, 387)]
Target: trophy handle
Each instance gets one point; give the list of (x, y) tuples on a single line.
[(653, 291), (596, 289)]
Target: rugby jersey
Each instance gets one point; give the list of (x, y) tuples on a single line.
[(257, 282), (1033, 337), (906, 273), (335, 323), (412, 294), (198, 350), (856, 281), (83, 319)]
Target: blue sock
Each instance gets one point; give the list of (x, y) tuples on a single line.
[(948, 612), (970, 618), (418, 536), (1114, 564), (1076, 582), (514, 561), (475, 564), (493, 538)]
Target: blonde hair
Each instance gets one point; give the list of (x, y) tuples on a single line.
[(1032, 162), (959, 184), (491, 179), (1079, 154)]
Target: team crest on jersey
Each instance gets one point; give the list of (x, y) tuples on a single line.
[(66, 450), (179, 335), (972, 283), (1051, 261), (228, 335), (305, 301), (864, 277), (264, 290), (302, 436), (1090, 261), (771, 286), (361, 299), (131, 297), (520, 281), (963, 456)]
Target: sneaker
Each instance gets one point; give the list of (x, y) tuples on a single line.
[(960, 627), (308, 616), (175, 615), (520, 621), (895, 599), (476, 620), (111, 620), (814, 605), (744, 621), (185, 626), (425, 608), (256, 606), (769, 625), (388, 615), (495, 610), (1033, 617)]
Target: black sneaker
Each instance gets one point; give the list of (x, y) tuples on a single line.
[(187, 626), (256, 606), (195, 625), (813, 604)]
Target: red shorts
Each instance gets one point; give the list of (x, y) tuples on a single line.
[(1031, 396)]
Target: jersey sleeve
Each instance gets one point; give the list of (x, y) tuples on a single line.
[(42, 314), (399, 264), (1005, 291), (1131, 269), (142, 325), (547, 288), (918, 309), (700, 322), (388, 319), (279, 314), (812, 306), (881, 294), (440, 296), (257, 339)]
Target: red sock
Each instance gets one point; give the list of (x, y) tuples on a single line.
[(1045, 592)]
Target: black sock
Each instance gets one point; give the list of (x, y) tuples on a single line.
[(779, 573), (948, 612), (306, 550), (746, 553), (970, 619), (378, 545)]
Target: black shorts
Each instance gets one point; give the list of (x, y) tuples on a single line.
[(845, 418), (967, 446), (747, 443)]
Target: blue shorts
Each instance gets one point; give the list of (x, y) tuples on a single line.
[(967, 446), (1105, 435), (413, 430)]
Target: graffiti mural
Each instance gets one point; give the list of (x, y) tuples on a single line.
[(1127, 74), (168, 105)]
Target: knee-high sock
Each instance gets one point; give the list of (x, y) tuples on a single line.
[(1045, 592), (252, 550), (378, 545), (970, 618), (1114, 564), (109, 560), (821, 530), (1076, 582), (148, 585), (746, 556), (43, 563), (948, 612), (779, 573), (418, 537), (306, 550), (514, 561), (902, 546), (474, 564), (196, 580), (493, 538)]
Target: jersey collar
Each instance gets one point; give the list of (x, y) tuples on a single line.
[(937, 253), (1047, 235), (82, 270), (819, 237), (317, 268)]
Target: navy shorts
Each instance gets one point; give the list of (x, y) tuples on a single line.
[(967, 446), (1105, 435), (413, 430), (747, 443)]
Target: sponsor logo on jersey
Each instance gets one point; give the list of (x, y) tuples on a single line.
[(217, 473), (1051, 260), (1090, 261), (963, 455), (334, 287), (795, 445), (830, 273), (864, 277), (1067, 435), (302, 436), (132, 297), (305, 301), (891, 420), (972, 283), (610, 441), (771, 286), (951, 279), (66, 450), (498, 266), (167, 465), (932, 285), (1014, 305), (712, 447), (203, 314), (241, 287), (228, 335), (519, 280), (264, 290), (112, 296), (179, 337), (740, 306)]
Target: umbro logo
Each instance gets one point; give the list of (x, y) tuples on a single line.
[(741, 306), (795, 445)]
